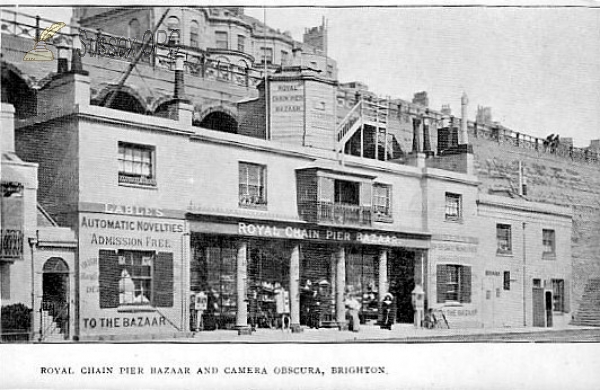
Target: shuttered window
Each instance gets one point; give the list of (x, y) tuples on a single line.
[(135, 278), (453, 283)]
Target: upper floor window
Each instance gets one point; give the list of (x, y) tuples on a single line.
[(241, 43), (453, 283), (252, 184), (174, 32), (549, 242), (194, 34), (136, 164), (130, 277), (506, 280), (347, 192), (221, 40), (266, 54), (382, 200), (453, 207), (503, 238), (135, 30), (285, 57)]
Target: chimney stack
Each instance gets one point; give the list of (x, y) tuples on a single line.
[(464, 135), (179, 91)]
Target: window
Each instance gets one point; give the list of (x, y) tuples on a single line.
[(221, 41), (136, 164), (194, 33), (503, 238), (129, 277), (506, 280), (549, 242), (5, 280), (241, 43), (453, 283), (266, 52), (135, 30), (558, 295), (453, 207), (285, 57), (347, 192), (173, 27), (382, 200), (252, 189)]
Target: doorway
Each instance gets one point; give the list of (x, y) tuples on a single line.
[(401, 273), (549, 309), (537, 295), (55, 298)]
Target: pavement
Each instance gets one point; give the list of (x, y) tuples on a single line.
[(400, 333)]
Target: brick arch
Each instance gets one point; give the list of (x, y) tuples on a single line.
[(126, 91), (19, 90), (219, 118)]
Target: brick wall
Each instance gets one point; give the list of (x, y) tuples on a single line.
[(553, 180)]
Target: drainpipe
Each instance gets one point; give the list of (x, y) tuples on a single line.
[(33, 241), (524, 275)]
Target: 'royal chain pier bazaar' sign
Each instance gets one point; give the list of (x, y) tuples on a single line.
[(295, 233)]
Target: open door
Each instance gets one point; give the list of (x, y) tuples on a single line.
[(549, 309)]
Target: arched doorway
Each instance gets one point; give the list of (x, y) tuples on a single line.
[(220, 121), (55, 299)]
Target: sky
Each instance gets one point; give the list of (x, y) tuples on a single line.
[(538, 68)]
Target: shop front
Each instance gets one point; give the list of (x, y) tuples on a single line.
[(256, 274)]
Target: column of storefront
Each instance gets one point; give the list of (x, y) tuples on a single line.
[(294, 289), (340, 310), (242, 310), (383, 279)]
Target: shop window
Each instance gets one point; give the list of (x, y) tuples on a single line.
[(506, 280), (453, 283), (266, 54), (346, 192), (453, 207), (252, 189), (140, 278), (221, 40), (194, 33), (362, 280), (285, 57), (558, 295), (241, 43), (503, 239), (382, 202), (549, 242), (136, 164)]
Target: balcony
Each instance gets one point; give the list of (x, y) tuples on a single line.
[(343, 214), (12, 244)]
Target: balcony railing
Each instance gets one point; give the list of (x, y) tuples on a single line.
[(12, 244), (343, 214)]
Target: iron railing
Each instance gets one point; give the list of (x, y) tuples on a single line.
[(343, 214)]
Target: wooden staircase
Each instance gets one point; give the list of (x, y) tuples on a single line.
[(588, 313)]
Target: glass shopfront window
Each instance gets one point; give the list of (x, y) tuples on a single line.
[(362, 280), (213, 272)]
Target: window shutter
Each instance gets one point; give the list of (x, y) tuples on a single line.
[(567, 296), (326, 189), (465, 284), (163, 280), (108, 280), (442, 278), (366, 190)]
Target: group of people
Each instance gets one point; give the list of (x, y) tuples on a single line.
[(353, 306)]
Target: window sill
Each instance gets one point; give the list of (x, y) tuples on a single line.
[(135, 308), (453, 220), (141, 186), (504, 254), (262, 207), (383, 218), (548, 256)]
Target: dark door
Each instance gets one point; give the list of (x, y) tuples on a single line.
[(538, 307), (55, 296), (549, 309)]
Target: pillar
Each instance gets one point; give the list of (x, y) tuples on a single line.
[(383, 279), (241, 322), (295, 289), (340, 284)]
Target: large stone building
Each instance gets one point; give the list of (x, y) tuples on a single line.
[(239, 187)]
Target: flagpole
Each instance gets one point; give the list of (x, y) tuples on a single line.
[(267, 106)]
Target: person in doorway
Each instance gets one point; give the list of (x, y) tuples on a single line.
[(388, 311), (353, 308)]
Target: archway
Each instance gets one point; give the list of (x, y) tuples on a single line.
[(125, 102), (220, 121), (55, 298), (17, 92)]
